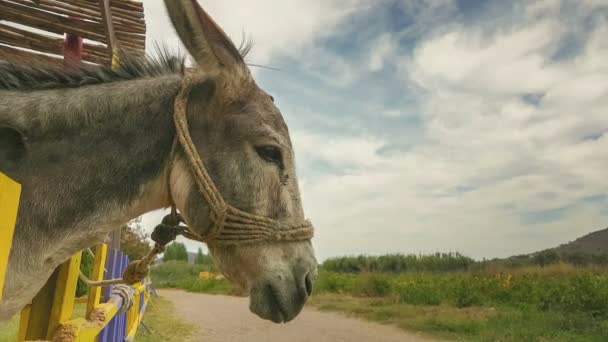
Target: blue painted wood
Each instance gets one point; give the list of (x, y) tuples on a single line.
[(116, 330), (111, 265), (123, 317)]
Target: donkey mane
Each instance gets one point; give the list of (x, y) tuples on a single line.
[(23, 77)]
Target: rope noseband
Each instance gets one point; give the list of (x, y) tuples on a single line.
[(229, 224)]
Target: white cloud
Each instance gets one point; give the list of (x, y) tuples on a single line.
[(511, 156), (276, 27), (382, 48), (489, 156)]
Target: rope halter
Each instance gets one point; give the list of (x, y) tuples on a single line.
[(228, 224)]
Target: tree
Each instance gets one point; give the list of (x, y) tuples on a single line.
[(86, 266), (176, 251), (546, 258), (201, 258), (134, 240)]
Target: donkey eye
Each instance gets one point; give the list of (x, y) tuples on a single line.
[(270, 154)]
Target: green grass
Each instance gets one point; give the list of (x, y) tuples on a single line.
[(9, 330), (160, 317), (164, 324), (582, 291), (181, 275), (549, 304), (556, 303), (503, 324)]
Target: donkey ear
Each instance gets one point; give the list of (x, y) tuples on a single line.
[(12, 146), (204, 39)]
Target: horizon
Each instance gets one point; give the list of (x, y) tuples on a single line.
[(422, 126), (405, 253)]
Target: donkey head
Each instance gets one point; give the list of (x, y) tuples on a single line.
[(245, 146)]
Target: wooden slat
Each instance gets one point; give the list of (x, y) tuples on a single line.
[(114, 6), (85, 21), (20, 56), (35, 36), (10, 192), (24, 318), (101, 251), (93, 58), (50, 22), (84, 330), (130, 16), (65, 293), (61, 8), (106, 15), (58, 24), (48, 46), (18, 37), (36, 325), (124, 4), (91, 53)]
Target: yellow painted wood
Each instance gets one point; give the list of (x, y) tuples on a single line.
[(81, 300), (10, 192), (87, 331), (53, 305), (65, 293), (134, 317), (132, 327), (23, 320), (101, 252), (115, 59), (35, 318)]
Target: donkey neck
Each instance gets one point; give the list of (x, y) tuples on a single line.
[(96, 156)]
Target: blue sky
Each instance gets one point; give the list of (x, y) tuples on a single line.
[(422, 126)]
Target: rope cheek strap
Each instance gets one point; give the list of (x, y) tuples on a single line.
[(229, 224)]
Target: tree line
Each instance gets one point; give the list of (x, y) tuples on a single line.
[(448, 262), (552, 256), (399, 263)]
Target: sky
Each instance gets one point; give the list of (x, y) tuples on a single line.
[(478, 127)]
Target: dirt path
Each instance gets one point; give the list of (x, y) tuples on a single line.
[(227, 319)]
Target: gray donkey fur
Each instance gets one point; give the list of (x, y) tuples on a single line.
[(91, 149)]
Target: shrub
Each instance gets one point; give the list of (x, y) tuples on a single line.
[(399, 263), (466, 293), (372, 285), (419, 291), (333, 283)]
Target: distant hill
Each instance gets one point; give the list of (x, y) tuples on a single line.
[(591, 248), (592, 243)]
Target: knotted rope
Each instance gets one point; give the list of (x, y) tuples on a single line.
[(127, 296)]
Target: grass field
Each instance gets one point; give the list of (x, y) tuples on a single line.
[(555, 303), (181, 275), (160, 318), (9, 330), (164, 325)]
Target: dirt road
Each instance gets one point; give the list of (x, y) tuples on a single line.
[(227, 319)]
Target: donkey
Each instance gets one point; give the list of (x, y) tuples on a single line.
[(92, 149)]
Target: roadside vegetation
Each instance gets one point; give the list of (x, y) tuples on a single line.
[(164, 324), (449, 295)]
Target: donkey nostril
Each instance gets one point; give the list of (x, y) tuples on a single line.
[(308, 283)]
